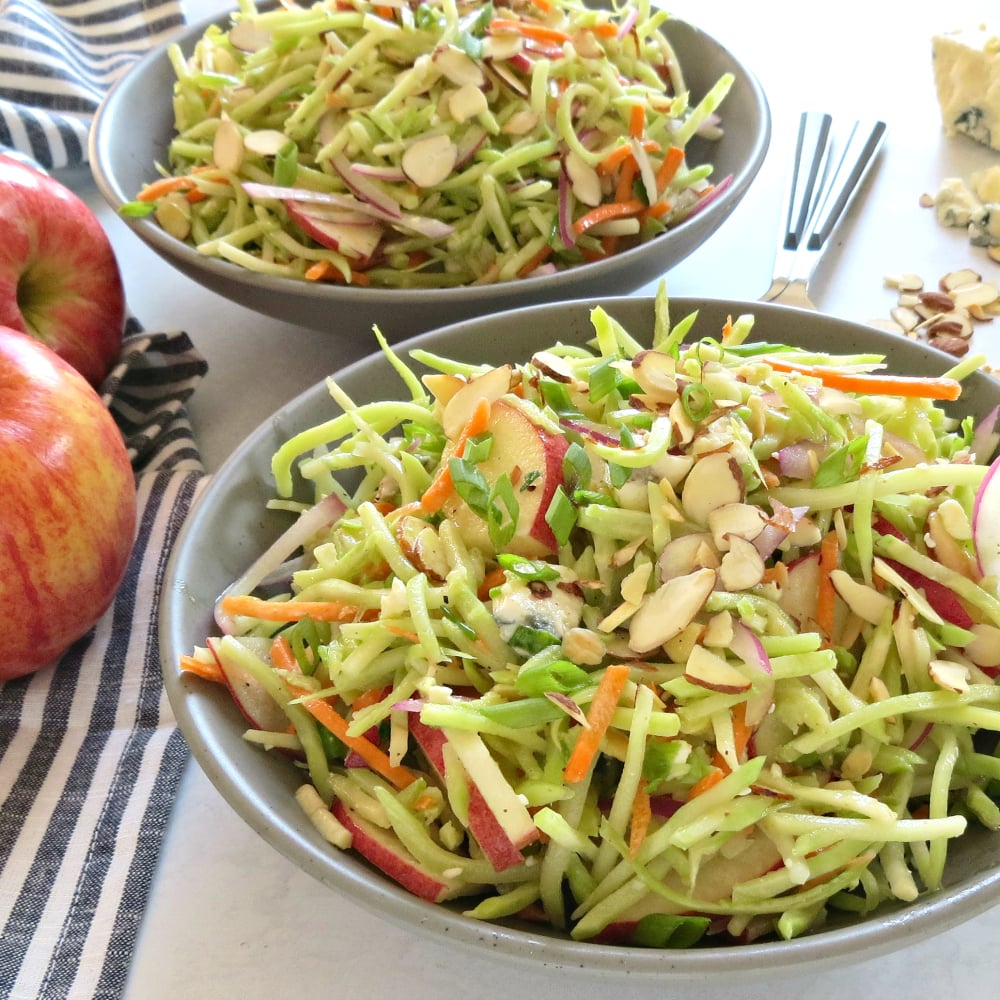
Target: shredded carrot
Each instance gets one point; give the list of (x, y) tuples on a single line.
[(609, 245), (727, 329), (206, 671), (614, 210), (874, 383), (536, 32), (604, 29), (436, 494), (642, 815), (290, 611), (615, 158), (536, 260), (426, 801), (324, 270), (165, 185), (494, 578), (282, 656), (829, 559), (376, 758), (659, 208), (402, 633), (672, 159), (637, 121), (386, 13), (626, 176), (598, 719), (704, 784), (368, 698)]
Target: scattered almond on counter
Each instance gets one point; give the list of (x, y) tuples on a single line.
[(946, 316)]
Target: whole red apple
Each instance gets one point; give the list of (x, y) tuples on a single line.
[(59, 279), (67, 505)]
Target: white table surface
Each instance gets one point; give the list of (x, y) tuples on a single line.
[(230, 918)]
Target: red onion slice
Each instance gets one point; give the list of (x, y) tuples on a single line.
[(310, 523)]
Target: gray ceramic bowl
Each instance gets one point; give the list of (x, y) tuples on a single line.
[(125, 145), (230, 527)]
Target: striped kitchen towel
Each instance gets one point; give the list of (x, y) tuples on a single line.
[(57, 60), (90, 754)]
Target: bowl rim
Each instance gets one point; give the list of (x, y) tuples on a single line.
[(904, 924), (100, 142)]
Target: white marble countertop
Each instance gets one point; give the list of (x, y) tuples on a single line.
[(230, 918)]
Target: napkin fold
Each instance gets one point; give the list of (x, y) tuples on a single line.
[(58, 58), (90, 754)]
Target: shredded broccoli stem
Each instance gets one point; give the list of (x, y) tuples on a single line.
[(354, 94), (821, 756)]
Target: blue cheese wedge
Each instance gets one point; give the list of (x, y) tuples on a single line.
[(967, 76)]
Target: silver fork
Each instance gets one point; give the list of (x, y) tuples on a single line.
[(816, 196)]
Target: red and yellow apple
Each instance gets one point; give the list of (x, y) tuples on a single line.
[(533, 458), (59, 279), (67, 505)]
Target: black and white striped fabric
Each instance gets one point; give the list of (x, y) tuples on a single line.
[(90, 754), (57, 60)]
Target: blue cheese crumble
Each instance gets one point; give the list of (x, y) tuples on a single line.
[(967, 76)]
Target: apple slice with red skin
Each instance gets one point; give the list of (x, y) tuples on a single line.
[(942, 599), (384, 850), (357, 239), (533, 459), (500, 850), (256, 705)]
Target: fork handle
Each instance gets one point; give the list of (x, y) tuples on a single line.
[(857, 158)]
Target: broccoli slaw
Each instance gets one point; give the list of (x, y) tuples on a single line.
[(659, 646), (430, 145)]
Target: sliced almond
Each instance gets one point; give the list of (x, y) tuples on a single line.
[(866, 602), (583, 177), (713, 672), (249, 36), (906, 318), (554, 367), (714, 481), (467, 102), (669, 610), (958, 279), (442, 385), (936, 301), (656, 373), (227, 146), (734, 520), (720, 631), (502, 46), (954, 324), (520, 123), (686, 553), (490, 385), (742, 566), (173, 213), (950, 676), (266, 141), (457, 67), (906, 282), (983, 293), (429, 160)]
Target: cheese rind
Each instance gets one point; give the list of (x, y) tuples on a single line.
[(967, 76)]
